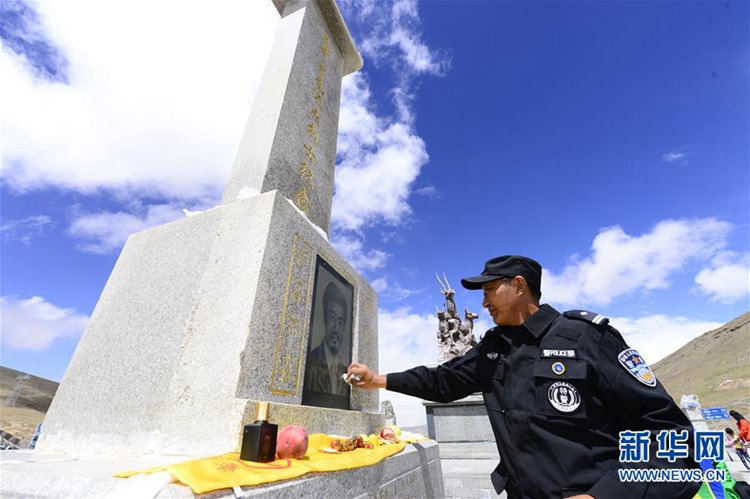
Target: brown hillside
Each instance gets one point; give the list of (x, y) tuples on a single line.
[(715, 367), (34, 399)]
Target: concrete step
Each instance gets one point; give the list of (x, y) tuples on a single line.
[(469, 450), (468, 478)]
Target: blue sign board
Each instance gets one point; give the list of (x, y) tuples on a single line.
[(715, 413), (38, 431)]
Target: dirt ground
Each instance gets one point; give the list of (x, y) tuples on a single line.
[(20, 421)]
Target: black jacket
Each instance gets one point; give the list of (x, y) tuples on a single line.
[(557, 397)]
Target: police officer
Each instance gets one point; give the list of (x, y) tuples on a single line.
[(559, 389)]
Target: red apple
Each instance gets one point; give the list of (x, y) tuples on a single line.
[(291, 442), (387, 433)]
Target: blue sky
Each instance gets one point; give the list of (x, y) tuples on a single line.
[(608, 140)]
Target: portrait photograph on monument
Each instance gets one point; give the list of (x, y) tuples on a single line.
[(329, 350)]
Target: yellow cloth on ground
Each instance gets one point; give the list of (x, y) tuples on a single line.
[(227, 470)]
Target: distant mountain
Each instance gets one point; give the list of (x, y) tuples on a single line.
[(34, 398), (715, 367)]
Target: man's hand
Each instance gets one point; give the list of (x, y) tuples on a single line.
[(582, 496), (368, 379)]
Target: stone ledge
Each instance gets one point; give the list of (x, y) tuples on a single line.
[(469, 450), (473, 399), (415, 472)]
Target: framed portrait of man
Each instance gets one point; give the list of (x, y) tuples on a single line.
[(329, 345)]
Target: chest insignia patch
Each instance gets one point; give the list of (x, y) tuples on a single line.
[(554, 353), (492, 355), (564, 397), (632, 361), (558, 368)]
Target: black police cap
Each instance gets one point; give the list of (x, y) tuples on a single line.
[(507, 266)]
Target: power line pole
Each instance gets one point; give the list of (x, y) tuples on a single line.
[(20, 380)]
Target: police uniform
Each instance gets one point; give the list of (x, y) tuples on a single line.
[(558, 390)]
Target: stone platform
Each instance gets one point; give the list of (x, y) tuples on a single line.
[(467, 467), (468, 453), (463, 420), (415, 472)]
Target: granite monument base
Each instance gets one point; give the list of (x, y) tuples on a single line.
[(200, 318), (415, 472)]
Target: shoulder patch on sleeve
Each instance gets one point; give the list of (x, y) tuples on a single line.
[(633, 363), (585, 315)]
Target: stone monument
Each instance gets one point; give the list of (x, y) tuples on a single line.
[(203, 317)]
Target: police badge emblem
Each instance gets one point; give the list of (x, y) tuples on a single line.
[(632, 361), (563, 396), (558, 368)]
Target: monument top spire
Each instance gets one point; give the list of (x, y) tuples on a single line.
[(290, 138), (341, 36)]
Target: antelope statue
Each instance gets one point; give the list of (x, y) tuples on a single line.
[(455, 337), (467, 328), (445, 341), (448, 293), (442, 324)]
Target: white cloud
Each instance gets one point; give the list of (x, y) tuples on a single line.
[(106, 231), (392, 235), (395, 36), (145, 111), (34, 324), (352, 249), (380, 156), (429, 191), (621, 264), (678, 155), (657, 336), (416, 54), (392, 289), (727, 279), (159, 115), (377, 188), (358, 124), (406, 340), (379, 161), (380, 284), (27, 229)]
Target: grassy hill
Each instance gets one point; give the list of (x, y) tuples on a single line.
[(715, 367), (34, 399)]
